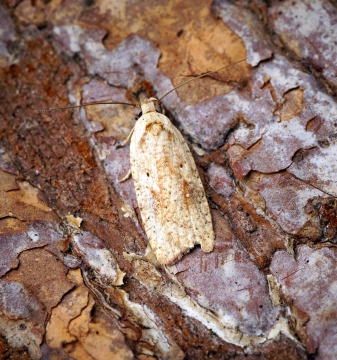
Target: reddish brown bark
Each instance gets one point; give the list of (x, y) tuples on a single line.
[(77, 279)]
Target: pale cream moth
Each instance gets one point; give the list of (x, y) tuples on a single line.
[(170, 195)]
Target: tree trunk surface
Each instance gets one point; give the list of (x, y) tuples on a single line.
[(78, 278)]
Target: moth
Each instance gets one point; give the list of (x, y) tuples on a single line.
[(170, 195)]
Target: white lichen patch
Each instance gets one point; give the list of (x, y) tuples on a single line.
[(151, 333), (99, 259), (220, 323)]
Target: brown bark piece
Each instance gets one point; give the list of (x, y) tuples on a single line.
[(48, 289), (82, 331), (36, 235)]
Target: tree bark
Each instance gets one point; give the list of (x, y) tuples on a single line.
[(78, 279)]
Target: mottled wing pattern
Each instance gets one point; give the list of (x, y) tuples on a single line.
[(170, 195)]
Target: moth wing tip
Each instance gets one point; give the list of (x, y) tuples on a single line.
[(207, 245)]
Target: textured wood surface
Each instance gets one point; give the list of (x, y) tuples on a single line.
[(77, 280)]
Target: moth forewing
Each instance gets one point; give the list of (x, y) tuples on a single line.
[(170, 194)]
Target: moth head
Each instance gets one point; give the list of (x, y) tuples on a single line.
[(147, 105)]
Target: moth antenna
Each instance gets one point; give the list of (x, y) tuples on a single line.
[(89, 104), (199, 77)]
